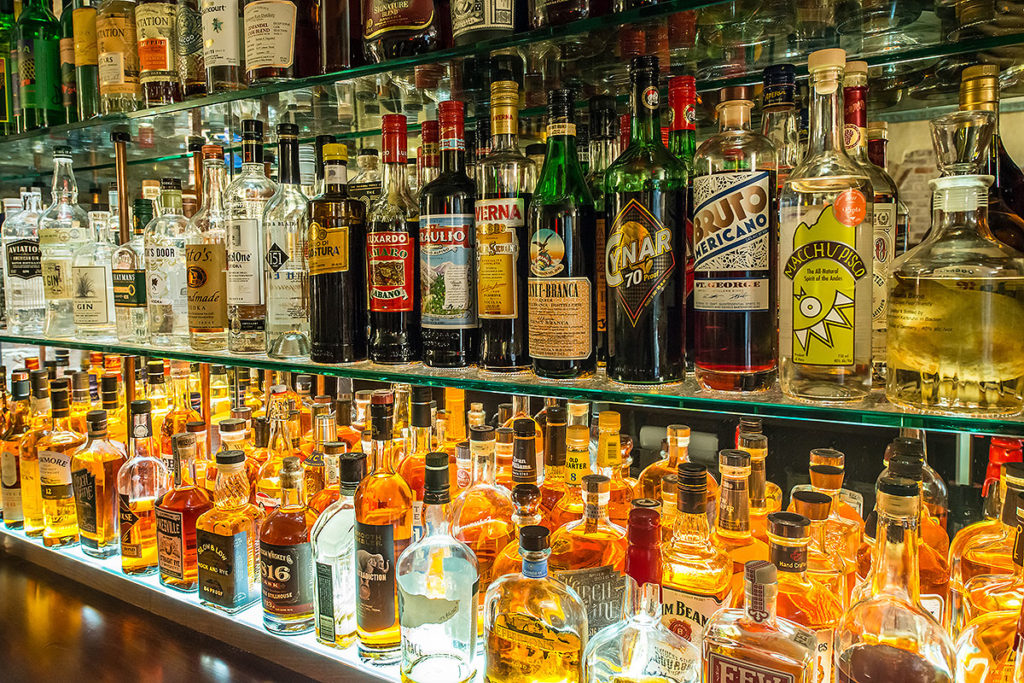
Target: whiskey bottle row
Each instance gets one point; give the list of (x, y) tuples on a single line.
[(542, 547)]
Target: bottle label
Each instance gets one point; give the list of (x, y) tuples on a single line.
[(224, 571), (287, 305), (639, 259), (154, 24), (90, 295), (127, 519), (266, 502), (286, 570), (84, 483), (382, 16), (245, 252), (55, 476), (723, 669), (10, 479), (732, 226), (376, 552), (935, 604), (883, 217), (83, 20), (824, 646), (190, 44), (221, 42), (560, 318), (822, 269), (686, 614), (577, 466), (416, 608), (389, 267), (512, 634), (162, 263), (369, 192), (39, 69), (118, 59), (328, 248), (417, 520), (325, 602), (555, 129), (269, 34), (23, 259), (446, 271), (206, 266), (68, 89), (170, 543), (129, 288), (601, 288), (481, 15), (335, 174), (497, 249), (601, 589)]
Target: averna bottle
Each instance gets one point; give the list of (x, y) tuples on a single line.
[(166, 288), (337, 276), (645, 251), (447, 258), (391, 31), (561, 223), (824, 268), (206, 259), (734, 252), (391, 263), (23, 272), (39, 91)]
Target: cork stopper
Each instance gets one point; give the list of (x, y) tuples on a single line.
[(231, 425), (596, 483), (812, 504), (826, 59), (291, 472), (481, 433)]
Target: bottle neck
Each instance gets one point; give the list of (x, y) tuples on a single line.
[(896, 547), (789, 555), (603, 151), (504, 128), (231, 480), (878, 152), (733, 507), (759, 602), (214, 182), (691, 526), (435, 519), (394, 179), (64, 189), (825, 132), (958, 210), (595, 509), (453, 149), (734, 116), (645, 123), (291, 496), (170, 202), (483, 461), (335, 177), (535, 563), (288, 161), (252, 155), (419, 440), (855, 117), (382, 453)]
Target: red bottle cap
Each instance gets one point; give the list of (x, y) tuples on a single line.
[(394, 129), (451, 114)]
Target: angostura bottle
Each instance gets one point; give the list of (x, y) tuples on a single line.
[(824, 269), (156, 30), (337, 269), (502, 261), (734, 252), (604, 147), (392, 271), (391, 31), (560, 299), (282, 40), (645, 252), (447, 258)]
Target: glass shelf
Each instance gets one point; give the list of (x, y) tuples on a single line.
[(916, 52), (875, 411)]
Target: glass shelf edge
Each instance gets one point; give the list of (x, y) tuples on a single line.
[(875, 412)]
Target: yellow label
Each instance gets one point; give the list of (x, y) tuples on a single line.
[(497, 248), (609, 451), (577, 465), (504, 120), (84, 21), (118, 55), (328, 249), (522, 630), (206, 274), (561, 129), (560, 320)]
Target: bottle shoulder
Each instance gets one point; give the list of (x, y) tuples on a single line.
[(730, 148), (645, 164)]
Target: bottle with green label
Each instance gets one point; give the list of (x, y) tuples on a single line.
[(129, 276), (39, 78), (825, 263)]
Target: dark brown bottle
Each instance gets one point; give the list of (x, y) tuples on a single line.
[(282, 40), (337, 280), (397, 30), (340, 34)]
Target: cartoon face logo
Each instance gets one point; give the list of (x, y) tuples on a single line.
[(813, 317)]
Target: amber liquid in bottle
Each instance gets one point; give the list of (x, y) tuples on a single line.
[(176, 516)]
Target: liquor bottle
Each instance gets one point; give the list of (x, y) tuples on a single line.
[(337, 279), (285, 225), (222, 45), (390, 32), (502, 267), (866, 648), (10, 117), (990, 648), (179, 414), (176, 514), (698, 572), (754, 640), (532, 602), (86, 59), (765, 496), (383, 530), (554, 488), (411, 466), (189, 48), (23, 271), (340, 36), (111, 402), (206, 259), (94, 471), (10, 454), (246, 198), (682, 143), (779, 119), (166, 278), (63, 227), (608, 462), (39, 90), (645, 251), (40, 424), (437, 564), (118, 56), (487, 20), (392, 269), (92, 291), (129, 279), (878, 141), (979, 91), (333, 539), (824, 563), (286, 558), (994, 592), (560, 230), (556, 12), (281, 40), (66, 57), (279, 445), (428, 156), (825, 303), (140, 483), (314, 467), (650, 483), (365, 186), (577, 465), (54, 450), (604, 148), (156, 31), (227, 540), (733, 524), (447, 251), (734, 252), (156, 392)]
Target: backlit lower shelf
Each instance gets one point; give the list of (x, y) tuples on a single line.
[(874, 411)]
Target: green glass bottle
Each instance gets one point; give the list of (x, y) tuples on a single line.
[(39, 66), (682, 142), (68, 83), (604, 148), (645, 251), (87, 70), (7, 39), (560, 290)]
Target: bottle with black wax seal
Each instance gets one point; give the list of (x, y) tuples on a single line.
[(392, 269), (447, 258), (337, 275), (561, 302), (645, 251), (604, 147)]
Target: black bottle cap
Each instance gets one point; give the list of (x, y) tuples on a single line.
[(436, 480), (21, 389), (230, 424), (61, 151), (907, 466), (351, 468), (252, 129), (94, 416), (80, 381), (505, 435), (788, 525), (195, 426), (534, 537), (419, 414), (289, 129), (481, 433), (899, 487), (368, 151), (422, 394), (230, 457), (60, 384), (732, 457), (170, 184), (108, 384), (524, 426), (906, 444), (691, 487), (141, 406), (59, 400), (536, 149)]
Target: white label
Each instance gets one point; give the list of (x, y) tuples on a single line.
[(686, 614), (824, 649), (221, 44), (731, 294), (335, 174), (731, 221), (269, 34), (170, 542), (11, 495), (478, 15), (91, 295), (266, 502), (884, 222), (417, 520), (245, 272), (111, 68), (935, 605), (286, 309), (54, 468), (160, 263)]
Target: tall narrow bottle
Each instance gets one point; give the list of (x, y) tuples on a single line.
[(86, 59), (824, 268), (682, 142), (206, 259), (734, 252), (604, 147), (166, 281), (94, 470), (878, 143), (9, 116), (502, 261), (66, 56), (447, 237), (92, 291), (222, 44), (645, 251), (392, 269), (129, 275), (39, 89), (189, 48), (23, 270), (118, 56)]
